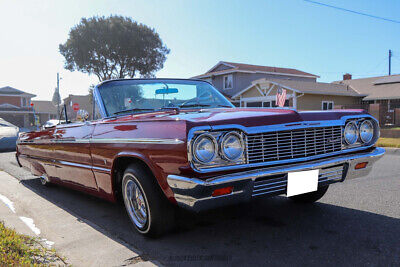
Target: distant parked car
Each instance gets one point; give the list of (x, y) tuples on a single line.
[(8, 135), (51, 123)]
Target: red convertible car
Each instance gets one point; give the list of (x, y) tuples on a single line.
[(162, 143)]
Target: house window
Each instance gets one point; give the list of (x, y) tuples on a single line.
[(254, 104), (327, 105), (267, 104), (228, 82), (24, 102)]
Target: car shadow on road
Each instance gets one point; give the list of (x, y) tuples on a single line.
[(273, 231)]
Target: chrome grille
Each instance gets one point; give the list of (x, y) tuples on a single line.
[(293, 144), (277, 184)]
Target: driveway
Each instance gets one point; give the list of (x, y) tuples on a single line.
[(356, 223)]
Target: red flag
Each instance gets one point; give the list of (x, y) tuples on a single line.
[(280, 97)]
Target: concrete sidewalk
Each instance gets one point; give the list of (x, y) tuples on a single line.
[(85, 245)]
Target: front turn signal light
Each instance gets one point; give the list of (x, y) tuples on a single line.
[(361, 165), (222, 191)]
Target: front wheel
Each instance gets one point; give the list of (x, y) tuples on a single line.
[(312, 196), (147, 207)]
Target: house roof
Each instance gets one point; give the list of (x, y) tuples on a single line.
[(44, 106), (8, 90), (376, 88), (307, 87), (77, 98), (240, 67)]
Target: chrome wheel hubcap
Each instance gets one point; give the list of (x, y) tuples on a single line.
[(135, 203)]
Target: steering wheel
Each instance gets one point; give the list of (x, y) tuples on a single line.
[(197, 98)]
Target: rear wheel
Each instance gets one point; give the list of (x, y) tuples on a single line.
[(147, 207), (312, 196)]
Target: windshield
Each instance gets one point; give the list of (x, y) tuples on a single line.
[(129, 96)]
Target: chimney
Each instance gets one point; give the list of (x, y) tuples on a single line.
[(346, 76)]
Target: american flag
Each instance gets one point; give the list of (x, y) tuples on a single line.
[(280, 97)]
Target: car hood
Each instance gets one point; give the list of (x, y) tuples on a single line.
[(8, 131), (247, 117), (244, 117)]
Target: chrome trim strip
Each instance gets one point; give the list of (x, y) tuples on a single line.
[(72, 164), (101, 169), (137, 140), (106, 141), (98, 99), (67, 163)]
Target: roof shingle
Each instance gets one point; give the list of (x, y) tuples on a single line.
[(376, 88), (256, 68)]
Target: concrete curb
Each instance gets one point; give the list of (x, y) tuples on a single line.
[(392, 151)]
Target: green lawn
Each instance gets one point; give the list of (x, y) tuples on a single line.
[(389, 142), (394, 128), (22, 250)]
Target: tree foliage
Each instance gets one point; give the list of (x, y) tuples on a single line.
[(113, 47), (56, 100)]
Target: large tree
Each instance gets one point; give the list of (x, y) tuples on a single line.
[(113, 47)]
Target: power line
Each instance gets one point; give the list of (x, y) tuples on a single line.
[(353, 11)]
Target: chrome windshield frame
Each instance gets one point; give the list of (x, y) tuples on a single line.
[(103, 111)]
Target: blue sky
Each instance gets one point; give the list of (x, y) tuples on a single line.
[(286, 33)]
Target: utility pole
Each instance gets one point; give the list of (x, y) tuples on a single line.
[(390, 62), (58, 92)]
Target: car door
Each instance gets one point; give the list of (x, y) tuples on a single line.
[(39, 145), (72, 155)]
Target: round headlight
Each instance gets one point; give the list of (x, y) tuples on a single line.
[(366, 131), (205, 148), (350, 133), (232, 146)]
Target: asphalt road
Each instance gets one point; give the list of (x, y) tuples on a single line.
[(356, 223)]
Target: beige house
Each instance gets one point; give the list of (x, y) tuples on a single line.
[(249, 85), (84, 102), (300, 95), (44, 110), (382, 91)]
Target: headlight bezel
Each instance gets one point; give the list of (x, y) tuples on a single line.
[(197, 141), (356, 134), (360, 133), (224, 139), (360, 142), (220, 159)]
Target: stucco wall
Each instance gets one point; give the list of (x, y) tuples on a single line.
[(309, 101), (243, 80), (314, 102)]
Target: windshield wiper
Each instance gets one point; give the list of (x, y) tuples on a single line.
[(194, 105), (134, 109), (204, 105), (224, 106)]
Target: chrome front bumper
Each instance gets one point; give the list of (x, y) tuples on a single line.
[(196, 194)]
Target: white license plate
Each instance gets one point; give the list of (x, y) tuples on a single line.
[(302, 182)]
